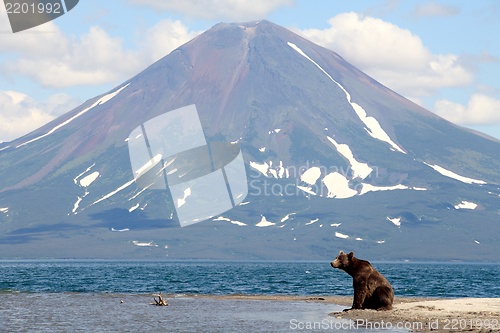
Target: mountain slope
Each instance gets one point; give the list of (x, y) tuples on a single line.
[(334, 159)]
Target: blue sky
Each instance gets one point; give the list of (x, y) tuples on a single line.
[(443, 55)]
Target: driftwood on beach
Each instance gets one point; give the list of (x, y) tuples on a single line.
[(160, 302)]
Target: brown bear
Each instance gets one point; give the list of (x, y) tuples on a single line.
[(371, 289)]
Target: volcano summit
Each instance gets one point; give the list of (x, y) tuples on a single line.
[(333, 160)]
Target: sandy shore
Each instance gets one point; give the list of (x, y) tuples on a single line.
[(414, 314), (437, 315)]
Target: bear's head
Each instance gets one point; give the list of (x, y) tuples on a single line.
[(343, 260)]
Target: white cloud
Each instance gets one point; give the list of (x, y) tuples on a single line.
[(233, 10), (95, 14), (93, 59), (164, 37), (57, 61), (480, 110), (42, 40), (392, 55), (380, 10), (485, 57), (434, 9), (488, 89), (21, 114)]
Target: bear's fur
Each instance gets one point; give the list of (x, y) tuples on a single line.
[(371, 289)]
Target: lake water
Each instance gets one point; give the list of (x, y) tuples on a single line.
[(74, 295)]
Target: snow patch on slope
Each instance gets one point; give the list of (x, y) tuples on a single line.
[(262, 168), (85, 182), (306, 189), (274, 173), (142, 243), (396, 221), (453, 175), (150, 164), (339, 235), (220, 218), (287, 217), (77, 203), (144, 189), (312, 221), (359, 169), (88, 180), (121, 230), (338, 186), (466, 205), (374, 128), (133, 208), (88, 169), (371, 188), (264, 223), (182, 201), (311, 175), (281, 170), (75, 206), (115, 191), (101, 100), (268, 170)]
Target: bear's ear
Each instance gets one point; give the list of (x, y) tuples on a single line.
[(341, 252), (350, 255)]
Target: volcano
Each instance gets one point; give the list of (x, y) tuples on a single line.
[(334, 160)]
